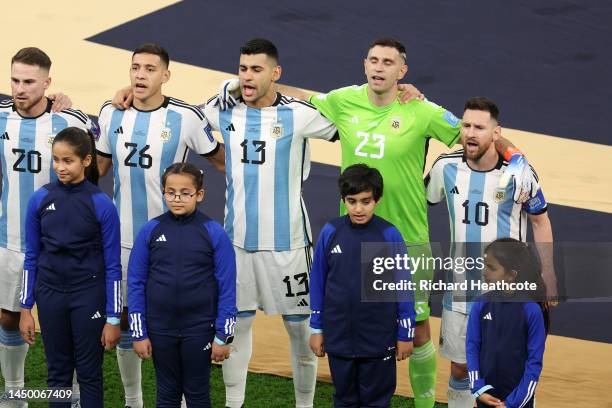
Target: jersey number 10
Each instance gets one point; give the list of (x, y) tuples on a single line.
[(481, 213)]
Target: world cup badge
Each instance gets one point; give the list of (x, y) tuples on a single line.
[(165, 135), (276, 131)]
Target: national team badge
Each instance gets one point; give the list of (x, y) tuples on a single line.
[(396, 124), (276, 131), (165, 135), (500, 195)]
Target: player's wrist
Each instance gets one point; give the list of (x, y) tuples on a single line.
[(511, 151)]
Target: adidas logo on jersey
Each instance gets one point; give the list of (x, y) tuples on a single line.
[(161, 238), (230, 128), (336, 250), (455, 190), (487, 316), (119, 130), (5, 136), (96, 315), (51, 207), (303, 302)]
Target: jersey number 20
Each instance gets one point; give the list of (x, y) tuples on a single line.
[(30, 161)]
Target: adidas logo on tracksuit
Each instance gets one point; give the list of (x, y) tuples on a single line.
[(96, 315), (51, 207), (336, 250), (487, 316), (161, 238)]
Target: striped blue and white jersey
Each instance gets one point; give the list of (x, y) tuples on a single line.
[(479, 213), (142, 144), (267, 158), (27, 165)]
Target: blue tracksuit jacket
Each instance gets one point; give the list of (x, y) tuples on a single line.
[(351, 327), (182, 277), (505, 348), (72, 242)]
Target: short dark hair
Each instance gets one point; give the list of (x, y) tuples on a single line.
[(360, 178), (260, 46), (155, 49), (185, 168), (82, 143), (32, 56), (390, 42), (482, 103)]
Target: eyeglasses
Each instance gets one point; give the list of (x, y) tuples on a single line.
[(183, 197)]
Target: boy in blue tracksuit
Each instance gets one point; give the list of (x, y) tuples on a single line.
[(72, 269), (506, 331), (359, 337), (182, 292)]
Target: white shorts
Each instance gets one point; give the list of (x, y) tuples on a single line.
[(277, 282), (11, 275), (125, 259), (452, 335)]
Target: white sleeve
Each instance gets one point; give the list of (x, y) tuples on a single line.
[(211, 112), (199, 135), (317, 126), (103, 144), (434, 183)]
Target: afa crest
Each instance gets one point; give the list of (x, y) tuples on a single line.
[(165, 135), (500, 195), (276, 131), (396, 124)]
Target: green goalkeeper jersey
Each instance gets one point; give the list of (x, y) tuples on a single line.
[(394, 140)]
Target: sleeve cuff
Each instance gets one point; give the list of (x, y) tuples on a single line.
[(482, 391), (113, 320), (316, 331), (219, 341), (104, 154)]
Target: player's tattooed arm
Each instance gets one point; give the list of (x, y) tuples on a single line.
[(543, 237)]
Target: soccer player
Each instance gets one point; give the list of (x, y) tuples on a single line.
[(139, 144), (28, 125), (267, 160), (182, 289), (72, 269), (376, 129), (507, 329), (362, 339), (479, 212)]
